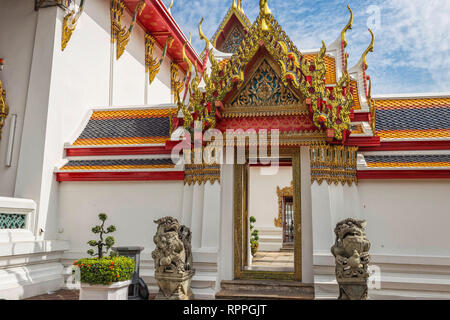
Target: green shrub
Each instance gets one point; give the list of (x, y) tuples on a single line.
[(254, 236), (106, 270)]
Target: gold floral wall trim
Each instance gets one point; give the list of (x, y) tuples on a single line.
[(281, 193), (201, 173), (153, 65), (333, 164), (4, 109), (176, 84), (121, 34), (69, 24)]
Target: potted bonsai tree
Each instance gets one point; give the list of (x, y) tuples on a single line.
[(103, 276)]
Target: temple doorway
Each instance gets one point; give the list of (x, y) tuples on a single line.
[(267, 220)]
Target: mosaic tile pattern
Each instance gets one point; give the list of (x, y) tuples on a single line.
[(122, 164), (12, 221), (405, 161), (413, 118), (129, 127)]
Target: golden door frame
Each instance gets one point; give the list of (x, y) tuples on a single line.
[(240, 208)]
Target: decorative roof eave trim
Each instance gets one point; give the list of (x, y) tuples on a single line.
[(164, 13), (409, 174), (409, 146), (120, 176), (412, 96)]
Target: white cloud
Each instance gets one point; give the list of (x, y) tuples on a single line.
[(412, 45)]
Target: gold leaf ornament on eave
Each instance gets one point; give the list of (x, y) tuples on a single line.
[(69, 24), (4, 109), (121, 35)]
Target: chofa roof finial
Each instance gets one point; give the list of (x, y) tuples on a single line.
[(369, 49), (347, 27)]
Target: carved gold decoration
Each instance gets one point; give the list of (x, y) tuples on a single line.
[(334, 164), (281, 193), (121, 34), (201, 173), (153, 65), (331, 109), (69, 25), (369, 49), (176, 84), (4, 109), (347, 27), (265, 89), (264, 12), (239, 14)]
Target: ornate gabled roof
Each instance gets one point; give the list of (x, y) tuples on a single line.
[(126, 127), (408, 161), (234, 11), (413, 119), (122, 145), (330, 106), (117, 164)]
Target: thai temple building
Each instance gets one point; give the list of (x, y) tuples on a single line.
[(97, 96)]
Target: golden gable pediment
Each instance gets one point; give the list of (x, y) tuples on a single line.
[(264, 94)]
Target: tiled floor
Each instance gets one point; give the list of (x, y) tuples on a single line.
[(273, 261), (59, 295)]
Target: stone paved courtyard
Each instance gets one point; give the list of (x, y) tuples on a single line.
[(67, 295)]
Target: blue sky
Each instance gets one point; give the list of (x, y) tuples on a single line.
[(412, 37)]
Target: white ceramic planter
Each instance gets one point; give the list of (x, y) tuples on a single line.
[(116, 291)]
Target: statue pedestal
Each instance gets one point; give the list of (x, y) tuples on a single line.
[(174, 286), (352, 289)]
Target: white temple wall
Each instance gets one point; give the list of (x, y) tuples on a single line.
[(407, 236), (17, 31), (64, 85)]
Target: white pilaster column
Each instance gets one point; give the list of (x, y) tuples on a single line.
[(211, 216), (307, 225), (186, 215), (35, 178), (197, 215)]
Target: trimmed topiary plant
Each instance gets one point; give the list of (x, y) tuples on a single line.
[(254, 237), (102, 243), (105, 271)]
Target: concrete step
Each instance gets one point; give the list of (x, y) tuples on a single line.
[(265, 289)]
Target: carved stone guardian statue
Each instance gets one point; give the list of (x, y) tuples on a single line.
[(351, 251), (173, 260)]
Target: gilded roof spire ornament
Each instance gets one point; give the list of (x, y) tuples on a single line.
[(369, 49), (264, 11), (241, 5), (170, 7), (202, 35), (347, 27), (234, 6)]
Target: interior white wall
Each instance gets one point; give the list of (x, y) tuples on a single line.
[(17, 31), (263, 204)]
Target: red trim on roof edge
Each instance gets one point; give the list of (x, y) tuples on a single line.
[(363, 141), (115, 151), (409, 145), (403, 174), (360, 117), (120, 176)]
